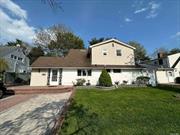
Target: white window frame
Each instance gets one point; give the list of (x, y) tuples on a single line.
[(118, 53), (82, 71), (104, 51)]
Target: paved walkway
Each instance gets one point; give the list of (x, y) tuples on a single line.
[(35, 116), (12, 100)]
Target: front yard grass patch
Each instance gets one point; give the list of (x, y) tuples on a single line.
[(124, 111)]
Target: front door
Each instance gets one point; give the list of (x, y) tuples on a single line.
[(54, 77)]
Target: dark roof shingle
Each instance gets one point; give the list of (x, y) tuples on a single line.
[(75, 58)]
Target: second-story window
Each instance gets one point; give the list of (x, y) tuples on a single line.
[(104, 52), (12, 56), (19, 58), (118, 52), (15, 57)]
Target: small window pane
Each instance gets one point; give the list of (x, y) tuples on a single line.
[(54, 75), (15, 57), (19, 58), (104, 52), (89, 72), (12, 56), (170, 74), (108, 70), (118, 52), (117, 70), (84, 73), (79, 72)]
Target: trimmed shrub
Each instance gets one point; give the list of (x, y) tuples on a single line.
[(105, 79), (142, 80), (177, 79), (80, 82)]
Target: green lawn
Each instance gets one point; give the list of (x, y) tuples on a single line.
[(124, 111)]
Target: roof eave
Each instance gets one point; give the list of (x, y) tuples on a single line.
[(110, 40)]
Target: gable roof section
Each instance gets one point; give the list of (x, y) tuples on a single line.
[(5, 50), (176, 62), (113, 40), (75, 58)]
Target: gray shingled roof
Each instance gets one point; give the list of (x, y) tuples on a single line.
[(4, 50)]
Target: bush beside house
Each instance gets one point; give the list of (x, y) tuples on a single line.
[(80, 82), (142, 80), (105, 79)]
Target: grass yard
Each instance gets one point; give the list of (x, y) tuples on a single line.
[(123, 111)]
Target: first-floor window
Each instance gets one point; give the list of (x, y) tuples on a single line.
[(84, 72), (108, 70), (78, 72), (117, 70), (89, 72)]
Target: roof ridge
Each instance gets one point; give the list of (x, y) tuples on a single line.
[(115, 40)]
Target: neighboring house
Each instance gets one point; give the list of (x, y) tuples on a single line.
[(17, 60), (167, 67), (115, 56)]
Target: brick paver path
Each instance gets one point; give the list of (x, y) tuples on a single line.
[(10, 101), (36, 115)]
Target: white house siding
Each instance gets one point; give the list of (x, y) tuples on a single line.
[(39, 77), (172, 58), (164, 76), (69, 76), (177, 71)]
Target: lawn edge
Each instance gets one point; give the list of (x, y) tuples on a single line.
[(61, 117)]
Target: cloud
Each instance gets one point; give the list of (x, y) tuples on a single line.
[(177, 35), (153, 7), (16, 26), (140, 10), (127, 20), (13, 8)]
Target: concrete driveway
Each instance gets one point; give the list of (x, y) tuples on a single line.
[(36, 115)]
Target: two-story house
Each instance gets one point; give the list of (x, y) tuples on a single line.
[(115, 56), (16, 58)]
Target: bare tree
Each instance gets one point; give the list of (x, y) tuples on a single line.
[(54, 4), (57, 40)]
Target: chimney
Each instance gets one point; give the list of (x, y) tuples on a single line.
[(161, 55)]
